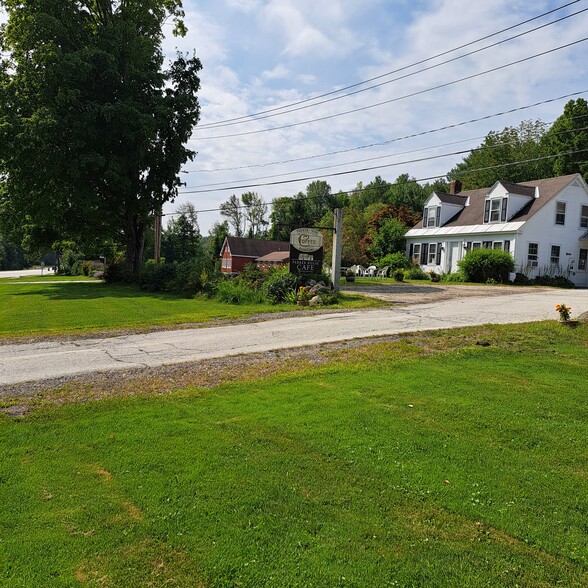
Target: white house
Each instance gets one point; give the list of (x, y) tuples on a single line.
[(543, 224)]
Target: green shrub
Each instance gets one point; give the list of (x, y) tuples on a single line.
[(395, 261), (234, 291), (521, 279), (252, 276), (157, 278), (554, 281), (278, 284), (480, 265), (415, 273), (457, 276)]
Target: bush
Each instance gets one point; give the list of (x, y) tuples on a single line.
[(457, 276), (415, 273), (234, 291), (521, 280), (278, 284), (480, 265), (157, 278), (395, 261), (554, 281)]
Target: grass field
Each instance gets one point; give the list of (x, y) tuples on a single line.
[(57, 306), (430, 462)]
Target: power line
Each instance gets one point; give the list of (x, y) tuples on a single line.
[(429, 148), (338, 90), (227, 124), (398, 98), (388, 141), (417, 180), (343, 173)]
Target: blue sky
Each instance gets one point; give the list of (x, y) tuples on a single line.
[(260, 54)]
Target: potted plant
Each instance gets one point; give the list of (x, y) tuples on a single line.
[(303, 296), (565, 314), (349, 276)]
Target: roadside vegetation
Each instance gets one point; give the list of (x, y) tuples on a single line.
[(452, 458), (53, 307)]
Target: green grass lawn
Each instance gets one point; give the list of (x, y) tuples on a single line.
[(55, 306), (430, 462)]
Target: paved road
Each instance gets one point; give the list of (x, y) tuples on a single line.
[(38, 361), (47, 271)]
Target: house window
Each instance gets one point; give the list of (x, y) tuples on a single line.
[(582, 259), (507, 246), (584, 217), (486, 244), (495, 210), (432, 254), (497, 245), (477, 245), (431, 216), (560, 213), (555, 252), (416, 253), (533, 255)]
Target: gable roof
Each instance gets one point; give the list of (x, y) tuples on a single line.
[(474, 213), (451, 198), (253, 248)]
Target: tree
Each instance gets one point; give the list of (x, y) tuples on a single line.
[(180, 241), (255, 213), (93, 129), (231, 209), (217, 235), (493, 160), (569, 133)]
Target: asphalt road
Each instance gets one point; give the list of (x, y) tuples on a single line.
[(51, 359)]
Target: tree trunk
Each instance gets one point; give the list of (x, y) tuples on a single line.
[(135, 237)]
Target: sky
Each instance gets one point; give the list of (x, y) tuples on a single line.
[(259, 55)]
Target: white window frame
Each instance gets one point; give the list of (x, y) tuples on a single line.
[(554, 259), (416, 254), (560, 215), (533, 258), (584, 216), (497, 245), (582, 260), (476, 245), (432, 254)]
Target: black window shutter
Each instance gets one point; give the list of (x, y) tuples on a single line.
[(425, 216), (438, 260), (504, 207), (487, 211), (410, 250), (424, 253), (438, 217)]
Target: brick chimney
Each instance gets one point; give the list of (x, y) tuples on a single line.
[(455, 187)]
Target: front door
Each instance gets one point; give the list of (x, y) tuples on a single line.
[(454, 249)]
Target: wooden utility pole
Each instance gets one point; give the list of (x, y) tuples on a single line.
[(337, 246), (157, 244)]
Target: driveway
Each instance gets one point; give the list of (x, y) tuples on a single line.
[(55, 359)]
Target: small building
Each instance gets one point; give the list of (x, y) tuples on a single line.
[(543, 224), (273, 259), (236, 252)]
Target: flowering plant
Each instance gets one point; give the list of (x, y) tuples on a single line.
[(303, 294), (564, 311)]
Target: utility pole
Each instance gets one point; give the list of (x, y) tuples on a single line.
[(337, 246), (157, 244)]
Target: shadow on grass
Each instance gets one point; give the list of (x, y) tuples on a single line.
[(91, 291)]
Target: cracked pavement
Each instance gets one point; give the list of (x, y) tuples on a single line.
[(54, 359)]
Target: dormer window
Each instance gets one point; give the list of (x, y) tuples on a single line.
[(431, 216), (495, 210)]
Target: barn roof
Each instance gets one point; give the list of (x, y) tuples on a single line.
[(253, 248)]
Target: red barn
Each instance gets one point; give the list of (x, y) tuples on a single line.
[(237, 251)]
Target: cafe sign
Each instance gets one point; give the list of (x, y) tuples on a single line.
[(306, 251)]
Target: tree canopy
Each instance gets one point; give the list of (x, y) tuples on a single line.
[(93, 127)]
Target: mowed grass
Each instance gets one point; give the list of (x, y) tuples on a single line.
[(55, 306), (427, 462)]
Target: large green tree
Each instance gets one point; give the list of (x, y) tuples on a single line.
[(93, 123), (568, 136), (515, 154)]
